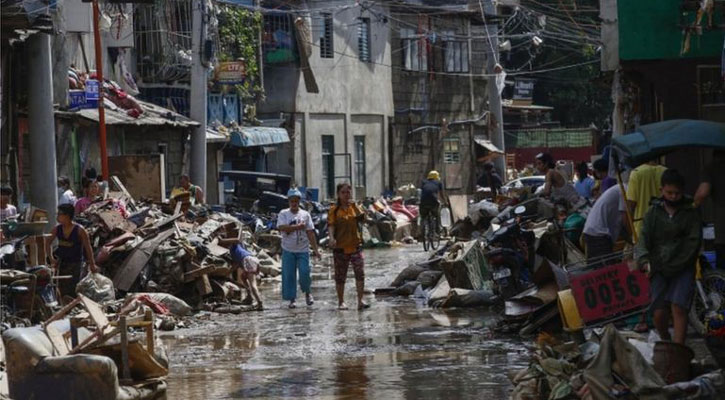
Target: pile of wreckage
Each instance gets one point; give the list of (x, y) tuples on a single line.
[(515, 265), (160, 262)]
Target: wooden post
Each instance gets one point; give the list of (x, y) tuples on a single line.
[(74, 324), (125, 370), (149, 317)]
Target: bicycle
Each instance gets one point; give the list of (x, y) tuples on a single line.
[(709, 299), (431, 239)]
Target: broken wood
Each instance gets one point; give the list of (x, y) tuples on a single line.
[(125, 368), (197, 273), (120, 185), (203, 285), (136, 261), (57, 340)]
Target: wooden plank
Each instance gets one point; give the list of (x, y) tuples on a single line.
[(62, 312), (136, 261), (195, 274), (119, 185), (203, 285), (97, 315), (125, 368), (142, 364), (150, 346), (58, 341)]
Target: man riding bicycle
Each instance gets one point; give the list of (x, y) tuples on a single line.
[(431, 197)]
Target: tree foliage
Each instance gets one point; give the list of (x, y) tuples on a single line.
[(239, 32)]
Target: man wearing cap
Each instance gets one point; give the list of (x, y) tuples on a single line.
[(298, 233)]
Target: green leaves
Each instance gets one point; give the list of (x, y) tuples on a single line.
[(239, 32)]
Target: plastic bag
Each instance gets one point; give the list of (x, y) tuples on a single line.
[(96, 287)]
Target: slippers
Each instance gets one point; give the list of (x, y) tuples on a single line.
[(292, 305), (342, 306), (363, 306), (310, 300)]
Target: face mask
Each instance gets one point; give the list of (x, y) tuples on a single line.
[(674, 203)]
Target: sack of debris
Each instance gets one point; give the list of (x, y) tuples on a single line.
[(175, 305), (96, 287)]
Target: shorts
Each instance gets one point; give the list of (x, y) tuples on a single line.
[(678, 289), (342, 262), (67, 287)]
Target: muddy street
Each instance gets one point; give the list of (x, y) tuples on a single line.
[(397, 349)]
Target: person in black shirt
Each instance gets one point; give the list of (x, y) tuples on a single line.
[(490, 179), (431, 191)]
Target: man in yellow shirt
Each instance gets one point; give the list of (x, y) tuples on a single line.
[(644, 184)]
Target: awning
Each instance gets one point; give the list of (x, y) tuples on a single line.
[(488, 145), (250, 136), (213, 136)]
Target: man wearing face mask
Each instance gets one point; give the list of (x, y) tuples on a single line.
[(667, 251)]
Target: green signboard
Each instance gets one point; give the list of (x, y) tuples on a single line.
[(654, 30)]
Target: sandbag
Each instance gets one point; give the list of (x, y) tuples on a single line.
[(429, 278), (407, 289), (469, 298), (175, 305), (408, 274), (97, 288)]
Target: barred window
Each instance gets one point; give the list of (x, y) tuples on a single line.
[(363, 39), (455, 53), (360, 161), (415, 50), (451, 151), (326, 37)]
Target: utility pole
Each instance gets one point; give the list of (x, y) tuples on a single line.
[(197, 170), (41, 125), (494, 97), (99, 76)]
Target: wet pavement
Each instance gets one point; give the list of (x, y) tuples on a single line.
[(397, 349)]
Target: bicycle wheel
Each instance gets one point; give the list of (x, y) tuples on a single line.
[(432, 239), (425, 234), (713, 283)]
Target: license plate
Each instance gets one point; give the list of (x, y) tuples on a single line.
[(502, 273)]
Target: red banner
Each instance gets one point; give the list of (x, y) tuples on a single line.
[(609, 291)]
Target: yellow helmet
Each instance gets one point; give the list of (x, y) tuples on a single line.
[(434, 175)]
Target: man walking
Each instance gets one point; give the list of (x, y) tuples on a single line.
[(667, 251)]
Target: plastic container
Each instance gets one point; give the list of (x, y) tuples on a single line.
[(446, 217), (710, 257)]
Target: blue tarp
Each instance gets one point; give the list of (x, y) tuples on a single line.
[(653, 140), (250, 136)]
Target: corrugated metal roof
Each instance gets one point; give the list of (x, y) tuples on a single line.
[(250, 136), (153, 115), (213, 136), (488, 145)]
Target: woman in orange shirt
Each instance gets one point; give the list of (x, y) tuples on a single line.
[(346, 241)]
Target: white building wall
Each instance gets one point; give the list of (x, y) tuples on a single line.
[(355, 97)]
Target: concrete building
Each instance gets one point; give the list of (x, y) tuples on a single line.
[(329, 76), (439, 61)]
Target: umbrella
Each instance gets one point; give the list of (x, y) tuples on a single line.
[(653, 140)]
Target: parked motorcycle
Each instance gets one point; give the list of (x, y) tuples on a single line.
[(27, 297), (511, 256), (12, 254)]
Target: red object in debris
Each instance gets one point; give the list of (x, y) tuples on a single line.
[(609, 292), (157, 307), (400, 208), (133, 113)]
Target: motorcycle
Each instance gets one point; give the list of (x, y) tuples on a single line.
[(27, 296), (12, 254), (511, 256)]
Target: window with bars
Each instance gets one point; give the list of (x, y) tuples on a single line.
[(451, 151), (278, 39), (363, 39), (360, 161), (415, 50), (326, 36), (455, 52)]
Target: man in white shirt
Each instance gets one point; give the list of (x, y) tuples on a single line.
[(604, 223), (298, 233), (65, 193), (7, 210)]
